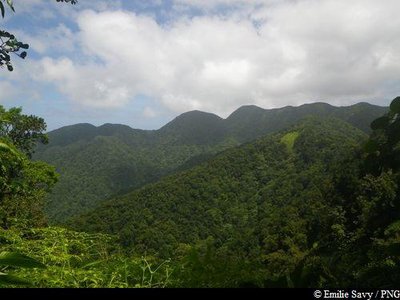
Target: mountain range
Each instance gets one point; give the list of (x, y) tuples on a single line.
[(272, 212), (98, 163), (218, 197)]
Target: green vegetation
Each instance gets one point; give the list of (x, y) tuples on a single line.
[(325, 213), (289, 139), (15, 259), (98, 163), (256, 211), (74, 260), (32, 254), (23, 183)]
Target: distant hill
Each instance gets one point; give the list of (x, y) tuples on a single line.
[(249, 122), (97, 163), (197, 128)]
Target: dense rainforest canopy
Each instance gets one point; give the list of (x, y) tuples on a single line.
[(313, 205), (96, 163)]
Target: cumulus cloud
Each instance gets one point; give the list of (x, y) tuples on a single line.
[(7, 91), (148, 112), (277, 53)]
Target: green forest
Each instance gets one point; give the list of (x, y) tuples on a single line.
[(311, 203), (96, 163)]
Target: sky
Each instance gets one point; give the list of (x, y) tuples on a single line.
[(143, 62)]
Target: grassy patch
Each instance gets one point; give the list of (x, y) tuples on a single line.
[(289, 139)]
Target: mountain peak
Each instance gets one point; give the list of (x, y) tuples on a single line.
[(246, 109), (192, 119), (111, 129), (196, 127), (72, 133)]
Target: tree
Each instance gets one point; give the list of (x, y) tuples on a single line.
[(9, 44), (383, 147), (23, 187), (23, 183), (10, 166), (371, 203), (23, 131)]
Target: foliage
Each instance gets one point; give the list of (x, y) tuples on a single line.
[(23, 131), (249, 122), (76, 260), (9, 43), (374, 216), (255, 212), (72, 259), (304, 207), (23, 183), (289, 140), (22, 199), (98, 163), (14, 259), (383, 148), (11, 162)]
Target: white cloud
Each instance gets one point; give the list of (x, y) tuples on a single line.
[(88, 85), (60, 39), (148, 112), (300, 51), (210, 5), (7, 91)]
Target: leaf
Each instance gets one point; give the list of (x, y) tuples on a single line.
[(11, 279), (2, 9), (94, 263), (14, 259), (5, 33), (10, 4), (395, 105), (380, 123), (5, 148)]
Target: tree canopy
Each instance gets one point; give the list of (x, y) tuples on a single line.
[(23, 131), (23, 183), (302, 207), (383, 148)]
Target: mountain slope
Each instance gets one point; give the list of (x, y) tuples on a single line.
[(249, 122), (244, 199), (197, 128), (96, 163)]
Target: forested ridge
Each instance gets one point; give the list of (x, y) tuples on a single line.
[(257, 209), (315, 204), (96, 163), (213, 197)]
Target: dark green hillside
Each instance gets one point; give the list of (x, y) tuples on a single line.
[(70, 134), (249, 122), (97, 163), (196, 127), (251, 200)]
